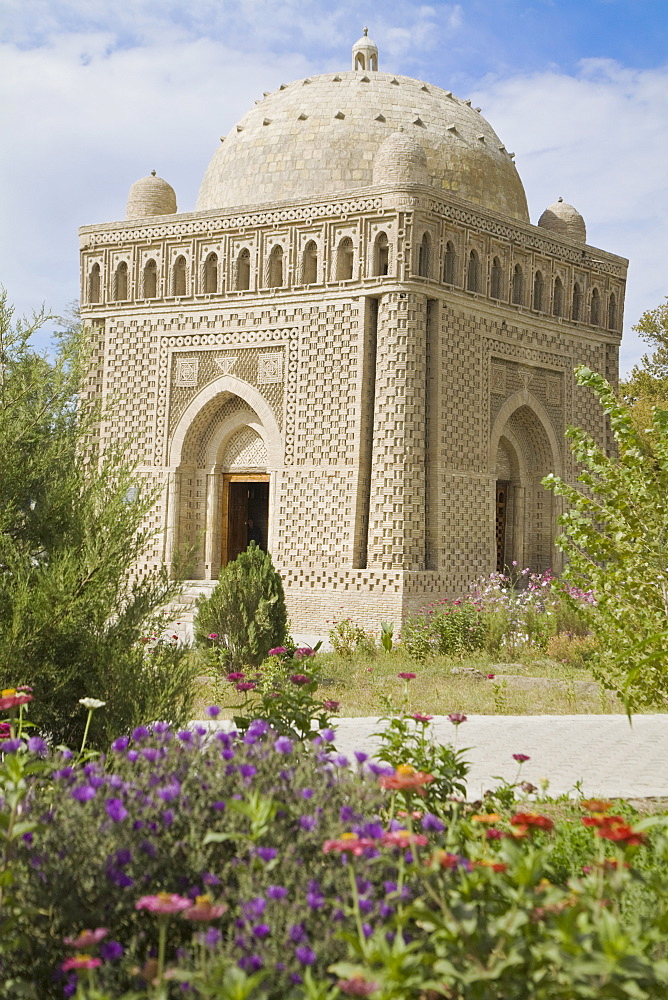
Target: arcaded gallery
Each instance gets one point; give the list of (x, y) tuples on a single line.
[(357, 347)]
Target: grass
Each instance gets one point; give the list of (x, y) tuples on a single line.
[(363, 681)]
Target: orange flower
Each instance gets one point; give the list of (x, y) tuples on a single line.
[(406, 779), (490, 818), (596, 805), (601, 820)]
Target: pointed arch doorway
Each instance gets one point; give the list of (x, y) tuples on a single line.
[(524, 449)]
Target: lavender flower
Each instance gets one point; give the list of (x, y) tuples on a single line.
[(116, 811), (283, 745)]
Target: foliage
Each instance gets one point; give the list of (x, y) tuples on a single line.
[(283, 696), (245, 615), (647, 386), (71, 613), (449, 628), (615, 535), (289, 875), (574, 650), (347, 639), (386, 636)]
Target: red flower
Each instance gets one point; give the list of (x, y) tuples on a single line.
[(616, 829), (407, 676), (529, 820), (348, 843), (521, 757)]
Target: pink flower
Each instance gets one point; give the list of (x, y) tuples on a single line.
[(277, 651), (520, 757), (204, 910), (86, 939), (304, 651), (236, 675), (348, 843), (211, 635), (357, 986), (407, 676), (81, 962), (300, 679), (456, 718), (164, 902), (403, 838), (331, 706), (419, 717), (245, 686), (10, 698), (490, 677)]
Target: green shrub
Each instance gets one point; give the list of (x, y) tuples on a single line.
[(246, 613), (574, 650), (446, 628), (348, 639)]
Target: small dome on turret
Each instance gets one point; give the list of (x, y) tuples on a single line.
[(563, 219), (400, 160), (365, 53), (150, 196)]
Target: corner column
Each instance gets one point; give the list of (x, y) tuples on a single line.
[(397, 510)]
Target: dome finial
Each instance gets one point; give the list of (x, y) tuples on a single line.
[(365, 53)]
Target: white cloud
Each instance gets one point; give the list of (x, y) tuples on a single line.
[(599, 140)]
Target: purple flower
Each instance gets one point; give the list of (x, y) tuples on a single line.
[(120, 744), (170, 792), (367, 930), (306, 793), (110, 951), (168, 817), (328, 735), (37, 745), (83, 793), (185, 736), (151, 754), (431, 822), (267, 853), (305, 955), (379, 769), (116, 811), (219, 806), (340, 760), (261, 931), (208, 878), (347, 813), (250, 963), (283, 745), (314, 897), (277, 892), (140, 733), (132, 756), (247, 770), (11, 746), (258, 727), (360, 756), (213, 711), (254, 907), (308, 823), (161, 727), (213, 937), (297, 934), (296, 979)]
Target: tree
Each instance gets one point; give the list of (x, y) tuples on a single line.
[(647, 385), (72, 615), (246, 610), (615, 533)]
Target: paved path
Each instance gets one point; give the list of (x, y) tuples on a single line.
[(605, 753)]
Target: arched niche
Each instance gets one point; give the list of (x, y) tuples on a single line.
[(523, 450), (228, 435)]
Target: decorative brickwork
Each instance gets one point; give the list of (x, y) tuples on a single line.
[(342, 347)]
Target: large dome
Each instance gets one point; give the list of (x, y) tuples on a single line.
[(319, 137)]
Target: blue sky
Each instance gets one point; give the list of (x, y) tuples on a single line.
[(95, 94)]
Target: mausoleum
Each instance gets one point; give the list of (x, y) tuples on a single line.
[(358, 340)]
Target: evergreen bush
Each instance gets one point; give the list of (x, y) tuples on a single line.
[(245, 616)]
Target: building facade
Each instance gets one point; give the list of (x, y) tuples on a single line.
[(358, 340)]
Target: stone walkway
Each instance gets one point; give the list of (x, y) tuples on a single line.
[(603, 752)]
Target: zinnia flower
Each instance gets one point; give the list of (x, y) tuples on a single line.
[(357, 986), (204, 909), (407, 676), (456, 718), (81, 962), (405, 779), (331, 706), (86, 939), (163, 902), (521, 757), (299, 679), (403, 838), (10, 698), (348, 843), (419, 717), (532, 820)]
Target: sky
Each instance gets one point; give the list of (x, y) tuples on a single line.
[(94, 95)]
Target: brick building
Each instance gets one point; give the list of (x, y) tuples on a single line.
[(358, 340)]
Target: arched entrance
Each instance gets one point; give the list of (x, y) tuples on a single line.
[(223, 452), (524, 449)]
